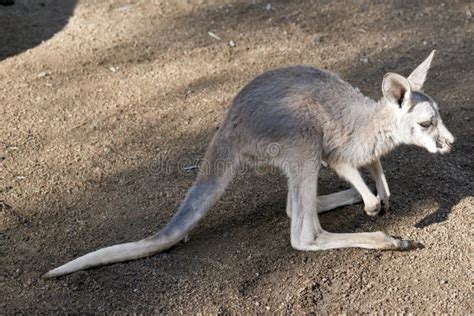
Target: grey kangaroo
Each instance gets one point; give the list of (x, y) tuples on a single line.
[(295, 118)]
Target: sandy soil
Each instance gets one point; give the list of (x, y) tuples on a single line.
[(104, 103)]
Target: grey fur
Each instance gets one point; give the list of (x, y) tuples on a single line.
[(294, 118)]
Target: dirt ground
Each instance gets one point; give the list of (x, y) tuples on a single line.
[(104, 106)]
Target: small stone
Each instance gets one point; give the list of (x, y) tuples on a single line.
[(43, 74), (268, 7), (231, 44), (213, 35)]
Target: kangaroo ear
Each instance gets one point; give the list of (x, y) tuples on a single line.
[(396, 89), (418, 76)]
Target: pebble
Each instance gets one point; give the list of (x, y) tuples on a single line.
[(213, 35), (43, 74)]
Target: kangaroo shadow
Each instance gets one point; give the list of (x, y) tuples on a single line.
[(27, 24)]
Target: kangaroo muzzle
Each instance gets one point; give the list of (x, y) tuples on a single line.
[(444, 145)]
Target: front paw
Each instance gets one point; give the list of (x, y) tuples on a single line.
[(373, 207), (385, 202)]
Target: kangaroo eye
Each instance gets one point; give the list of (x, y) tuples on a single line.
[(425, 124)]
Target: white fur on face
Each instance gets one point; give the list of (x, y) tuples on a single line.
[(435, 138)]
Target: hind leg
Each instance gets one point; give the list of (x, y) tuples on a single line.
[(334, 200), (305, 225), (289, 199), (328, 202), (307, 233)]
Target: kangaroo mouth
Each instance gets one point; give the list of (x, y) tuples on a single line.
[(443, 146)]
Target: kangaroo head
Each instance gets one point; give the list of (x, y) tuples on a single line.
[(418, 117)]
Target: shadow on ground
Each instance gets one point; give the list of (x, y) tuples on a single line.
[(27, 24)]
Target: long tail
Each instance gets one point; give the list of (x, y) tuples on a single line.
[(215, 174)]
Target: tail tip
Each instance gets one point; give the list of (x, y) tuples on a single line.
[(52, 274), (47, 275)]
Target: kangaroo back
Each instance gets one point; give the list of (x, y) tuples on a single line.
[(215, 173)]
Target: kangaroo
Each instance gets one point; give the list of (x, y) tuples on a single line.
[(294, 119)]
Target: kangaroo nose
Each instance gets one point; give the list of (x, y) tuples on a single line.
[(449, 140)]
